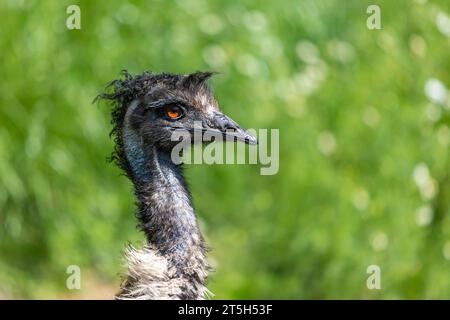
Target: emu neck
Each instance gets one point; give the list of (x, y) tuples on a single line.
[(165, 212), (167, 218), (165, 209)]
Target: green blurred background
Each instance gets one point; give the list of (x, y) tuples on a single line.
[(364, 120)]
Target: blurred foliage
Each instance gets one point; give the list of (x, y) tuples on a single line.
[(364, 121)]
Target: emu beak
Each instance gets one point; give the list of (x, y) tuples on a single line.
[(222, 125)]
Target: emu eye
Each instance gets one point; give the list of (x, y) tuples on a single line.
[(173, 111)]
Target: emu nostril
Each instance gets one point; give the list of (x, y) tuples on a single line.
[(230, 130), (225, 123)]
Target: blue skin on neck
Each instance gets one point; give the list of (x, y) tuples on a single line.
[(142, 162), (136, 156), (134, 151)]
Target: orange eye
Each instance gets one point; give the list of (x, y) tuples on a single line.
[(173, 112)]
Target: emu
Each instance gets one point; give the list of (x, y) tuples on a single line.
[(147, 110)]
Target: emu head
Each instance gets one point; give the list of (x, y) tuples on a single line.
[(155, 106)]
